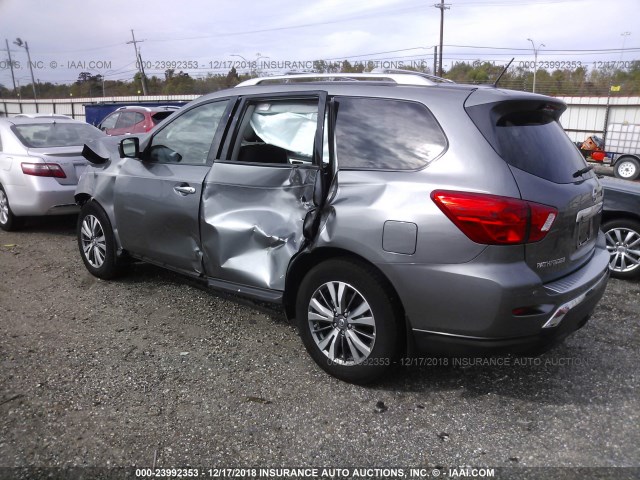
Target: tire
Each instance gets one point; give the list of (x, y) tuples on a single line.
[(356, 339), (8, 221), (623, 244), (96, 242), (627, 168)]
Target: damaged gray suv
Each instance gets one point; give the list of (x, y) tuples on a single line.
[(389, 213)]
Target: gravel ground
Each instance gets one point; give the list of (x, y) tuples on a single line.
[(153, 370)]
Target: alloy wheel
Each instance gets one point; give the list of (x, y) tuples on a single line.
[(623, 245), (94, 244), (4, 208), (342, 323)]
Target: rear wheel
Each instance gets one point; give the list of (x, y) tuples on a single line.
[(627, 168), (623, 244), (97, 243), (348, 320), (8, 221)]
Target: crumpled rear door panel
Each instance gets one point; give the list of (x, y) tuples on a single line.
[(252, 219)]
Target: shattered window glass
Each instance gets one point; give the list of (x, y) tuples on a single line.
[(278, 132)]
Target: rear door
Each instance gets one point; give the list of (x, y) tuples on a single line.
[(157, 199), (550, 170), (261, 190), (128, 123)]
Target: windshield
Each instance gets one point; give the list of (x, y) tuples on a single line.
[(39, 135)]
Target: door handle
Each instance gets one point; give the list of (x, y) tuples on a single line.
[(184, 189)]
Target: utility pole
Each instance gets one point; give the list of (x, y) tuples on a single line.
[(442, 6), (139, 61), (535, 61), (435, 60), (13, 78), (20, 43)]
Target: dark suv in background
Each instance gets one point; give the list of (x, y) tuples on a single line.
[(387, 212), (134, 120)]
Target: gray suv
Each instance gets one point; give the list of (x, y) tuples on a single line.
[(388, 213)]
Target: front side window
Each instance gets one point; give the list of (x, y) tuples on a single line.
[(386, 134), (110, 121), (277, 132), (188, 138)]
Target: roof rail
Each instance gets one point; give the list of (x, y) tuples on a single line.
[(433, 78), (404, 77)]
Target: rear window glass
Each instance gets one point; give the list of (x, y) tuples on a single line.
[(384, 134), (536, 143), (159, 116), (38, 135)]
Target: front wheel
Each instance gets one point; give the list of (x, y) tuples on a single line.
[(97, 242), (348, 320), (623, 245), (627, 168)]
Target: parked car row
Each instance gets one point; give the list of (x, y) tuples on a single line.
[(388, 213)]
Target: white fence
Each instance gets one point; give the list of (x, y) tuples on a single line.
[(74, 107), (585, 116)]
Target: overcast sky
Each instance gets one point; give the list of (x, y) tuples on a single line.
[(66, 37)]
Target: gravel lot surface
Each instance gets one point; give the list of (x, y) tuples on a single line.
[(153, 370)]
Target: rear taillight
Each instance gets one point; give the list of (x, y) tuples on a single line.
[(495, 220), (43, 170)]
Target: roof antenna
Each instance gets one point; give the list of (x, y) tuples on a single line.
[(495, 84)]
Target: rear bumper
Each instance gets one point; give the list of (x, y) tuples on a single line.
[(486, 305), (41, 196), (439, 343)]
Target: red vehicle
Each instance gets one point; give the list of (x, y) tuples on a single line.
[(132, 120)]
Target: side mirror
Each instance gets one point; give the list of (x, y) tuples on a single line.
[(129, 148)]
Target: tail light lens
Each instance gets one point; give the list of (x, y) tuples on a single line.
[(495, 220), (43, 170)]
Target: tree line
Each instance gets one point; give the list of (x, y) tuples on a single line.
[(576, 82)]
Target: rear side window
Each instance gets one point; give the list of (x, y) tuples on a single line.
[(536, 143), (386, 134)]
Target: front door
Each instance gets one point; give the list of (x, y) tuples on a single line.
[(157, 199)]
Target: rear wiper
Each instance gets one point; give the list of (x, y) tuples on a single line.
[(582, 171)]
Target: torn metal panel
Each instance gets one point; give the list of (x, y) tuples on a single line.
[(252, 218)]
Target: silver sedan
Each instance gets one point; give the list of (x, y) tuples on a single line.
[(40, 163)]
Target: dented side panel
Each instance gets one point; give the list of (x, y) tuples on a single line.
[(252, 218), (157, 220)]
